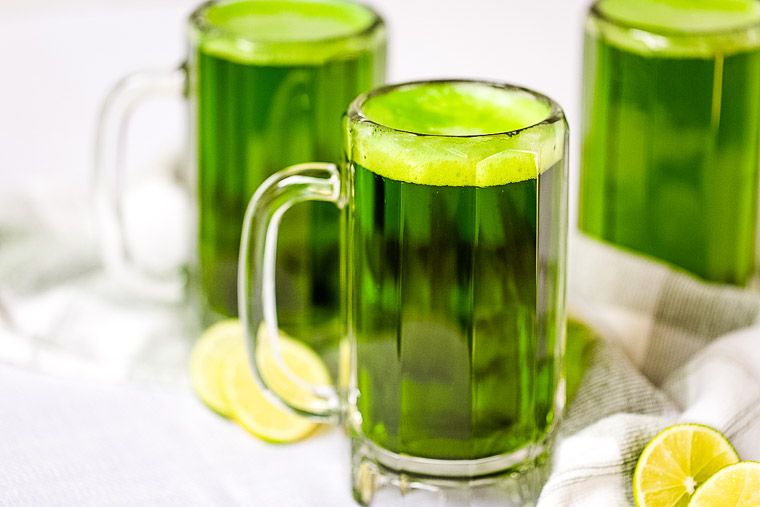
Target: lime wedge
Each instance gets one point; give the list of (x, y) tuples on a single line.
[(207, 359), (734, 486), (253, 410), (677, 461)]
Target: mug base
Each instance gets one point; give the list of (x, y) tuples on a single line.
[(380, 477)]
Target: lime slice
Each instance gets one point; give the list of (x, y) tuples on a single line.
[(207, 359), (734, 486), (253, 409), (677, 461), (300, 367)]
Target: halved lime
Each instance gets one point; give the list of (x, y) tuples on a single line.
[(734, 486), (300, 367), (676, 462), (252, 410), (207, 359), (250, 406), (221, 376)]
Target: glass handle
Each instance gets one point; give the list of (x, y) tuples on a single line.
[(109, 178), (257, 304)]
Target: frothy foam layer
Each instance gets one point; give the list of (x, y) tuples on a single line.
[(689, 28), (687, 16), (418, 133), (283, 31)]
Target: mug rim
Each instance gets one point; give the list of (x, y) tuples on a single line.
[(356, 113), (198, 22)]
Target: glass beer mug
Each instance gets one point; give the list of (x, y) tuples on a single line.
[(267, 82), (670, 145), (453, 201)]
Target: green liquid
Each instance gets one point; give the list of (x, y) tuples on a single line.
[(456, 305), (670, 148), (264, 107)]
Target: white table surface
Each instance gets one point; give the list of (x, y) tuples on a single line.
[(69, 442), (77, 442)]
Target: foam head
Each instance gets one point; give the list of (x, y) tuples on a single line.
[(686, 16), (679, 28), (456, 133), (283, 31)]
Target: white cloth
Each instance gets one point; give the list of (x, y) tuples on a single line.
[(61, 314), (691, 357), (70, 442)]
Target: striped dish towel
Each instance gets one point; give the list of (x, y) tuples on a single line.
[(674, 349)]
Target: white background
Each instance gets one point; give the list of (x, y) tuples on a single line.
[(59, 58)]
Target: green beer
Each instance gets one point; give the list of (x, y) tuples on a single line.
[(271, 80), (453, 199), (671, 131), (455, 269)]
